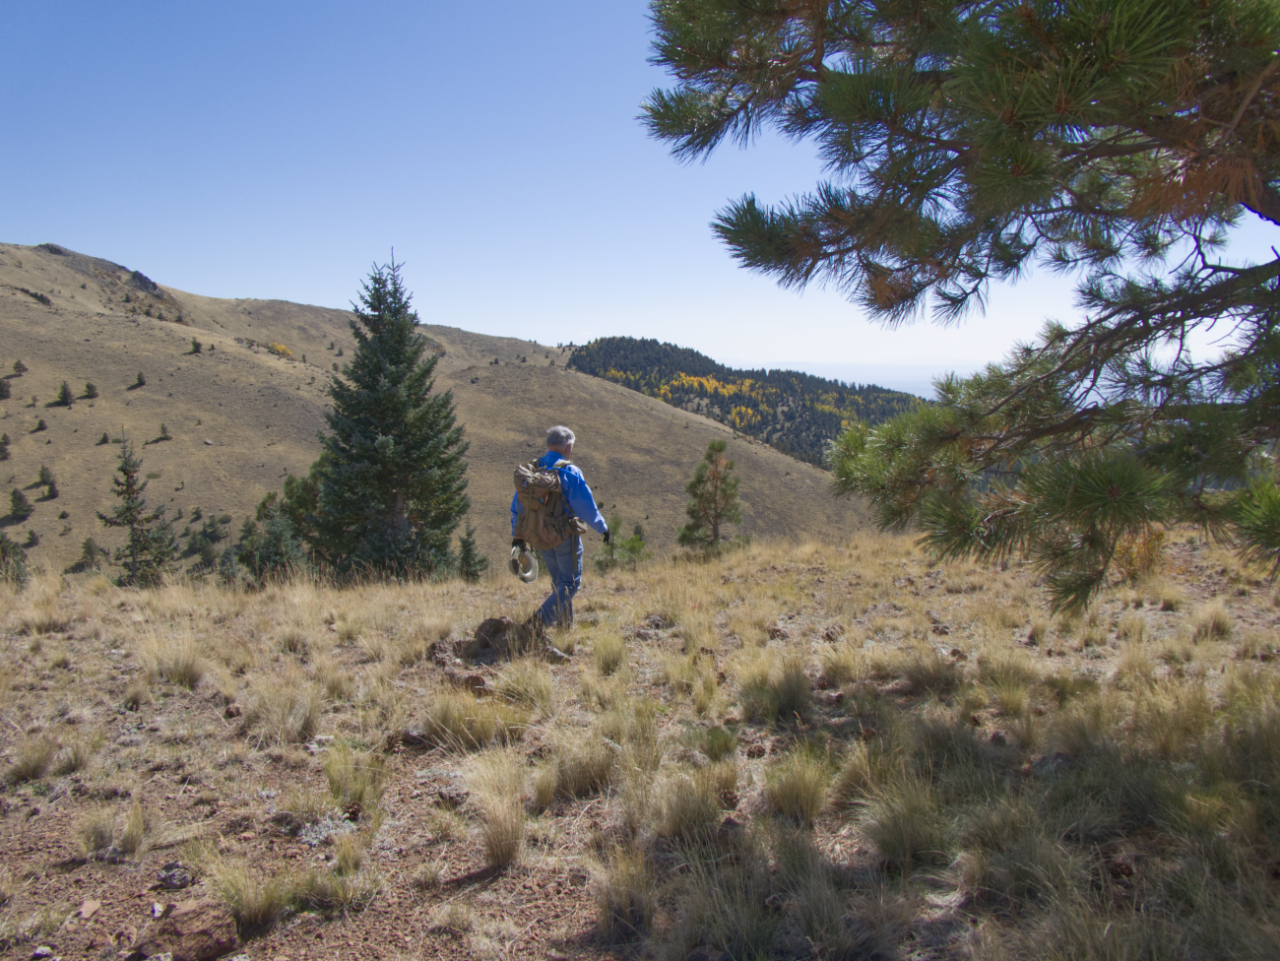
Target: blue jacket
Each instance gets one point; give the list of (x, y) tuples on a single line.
[(576, 492)]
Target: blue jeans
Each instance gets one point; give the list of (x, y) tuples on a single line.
[(564, 565)]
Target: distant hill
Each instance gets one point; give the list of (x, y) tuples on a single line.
[(240, 414), (794, 412)]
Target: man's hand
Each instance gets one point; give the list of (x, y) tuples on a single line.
[(606, 536), (517, 542)]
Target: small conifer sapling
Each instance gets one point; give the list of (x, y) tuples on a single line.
[(471, 563), (19, 368), (65, 397), (19, 506), (151, 544), (713, 493), (90, 391), (141, 381), (5, 390)]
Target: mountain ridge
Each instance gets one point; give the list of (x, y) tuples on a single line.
[(794, 412), (241, 417)]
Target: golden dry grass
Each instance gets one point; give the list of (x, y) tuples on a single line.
[(841, 747)]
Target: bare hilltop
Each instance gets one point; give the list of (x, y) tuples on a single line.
[(220, 427)]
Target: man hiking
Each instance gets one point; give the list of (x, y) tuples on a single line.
[(563, 562)]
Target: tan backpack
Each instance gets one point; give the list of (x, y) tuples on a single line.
[(543, 520)]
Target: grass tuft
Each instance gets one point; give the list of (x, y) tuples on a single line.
[(773, 688), (284, 709), (498, 783), (34, 756), (609, 651), (356, 778), (1212, 623), (461, 721), (796, 786)]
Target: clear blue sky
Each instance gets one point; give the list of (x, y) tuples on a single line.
[(277, 149)]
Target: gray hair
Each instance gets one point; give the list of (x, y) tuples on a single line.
[(559, 437)]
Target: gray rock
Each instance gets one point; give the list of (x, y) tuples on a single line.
[(173, 876)]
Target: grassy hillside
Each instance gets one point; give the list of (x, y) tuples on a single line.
[(801, 752), (240, 416), (796, 413)]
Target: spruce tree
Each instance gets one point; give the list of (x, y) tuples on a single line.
[(90, 553), (1115, 139), (713, 494), (65, 397), (391, 485), (19, 506), (90, 390), (471, 563), (150, 545), (4, 446), (5, 390)]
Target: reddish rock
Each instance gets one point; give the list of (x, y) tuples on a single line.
[(192, 931)]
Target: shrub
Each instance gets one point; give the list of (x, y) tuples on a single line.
[(40, 425), (13, 561), (104, 439), (4, 443), (5, 390), (19, 368), (280, 350), (141, 381), (90, 390), (196, 346)]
